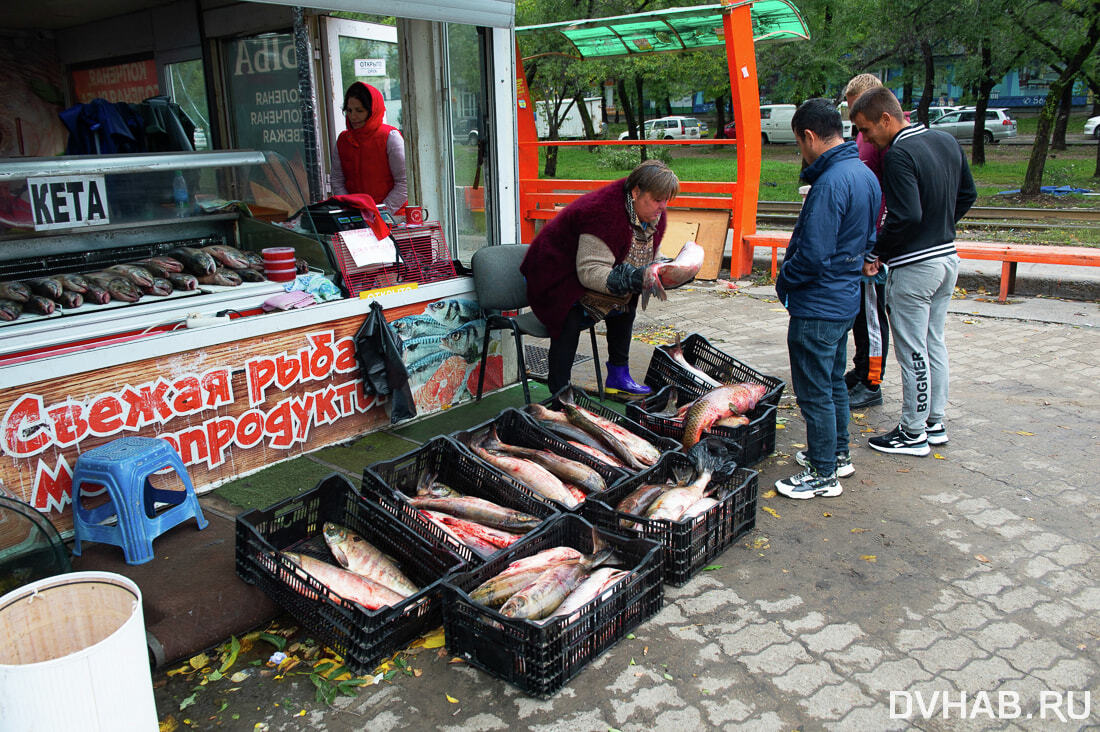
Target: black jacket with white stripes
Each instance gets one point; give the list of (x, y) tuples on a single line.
[(928, 188)]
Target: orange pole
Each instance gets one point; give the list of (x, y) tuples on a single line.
[(528, 153), (741, 59)]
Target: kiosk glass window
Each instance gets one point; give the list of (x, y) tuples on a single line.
[(470, 138)]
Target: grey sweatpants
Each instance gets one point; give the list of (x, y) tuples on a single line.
[(917, 296)]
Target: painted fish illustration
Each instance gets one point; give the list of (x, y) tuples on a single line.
[(418, 326), (422, 369), (454, 311), (421, 346), (466, 340)]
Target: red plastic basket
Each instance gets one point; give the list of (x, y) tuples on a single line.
[(425, 257)]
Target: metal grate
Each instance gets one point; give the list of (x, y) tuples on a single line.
[(425, 257), (538, 363)]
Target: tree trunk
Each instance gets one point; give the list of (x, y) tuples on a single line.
[(641, 111), (985, 86), (628, 109), (1033, 178), (586, 118), (720, 113), (668, 106), (1061, 120), (1096, 173), (929, 82)]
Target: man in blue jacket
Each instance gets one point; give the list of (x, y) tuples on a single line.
[(819, 286)]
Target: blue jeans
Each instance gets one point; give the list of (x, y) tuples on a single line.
[(819, 352)]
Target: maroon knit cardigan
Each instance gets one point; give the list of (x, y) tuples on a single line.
[(550, 265)]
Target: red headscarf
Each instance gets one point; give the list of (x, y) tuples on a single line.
[(363, 151)]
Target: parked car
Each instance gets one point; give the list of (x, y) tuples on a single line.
[(670, 128), (934, 113), (775, 122), (960, 124), (1092, 127)]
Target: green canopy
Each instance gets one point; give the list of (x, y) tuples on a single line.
[(675, 29)]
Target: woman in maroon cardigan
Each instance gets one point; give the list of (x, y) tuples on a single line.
[(587, 263)]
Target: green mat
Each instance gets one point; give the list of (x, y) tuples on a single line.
[(273, 484)]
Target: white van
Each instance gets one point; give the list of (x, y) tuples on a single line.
[(775, 122)]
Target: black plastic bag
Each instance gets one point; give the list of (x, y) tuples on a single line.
[(380, 353)]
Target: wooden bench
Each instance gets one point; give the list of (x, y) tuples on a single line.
[(1009, 255)]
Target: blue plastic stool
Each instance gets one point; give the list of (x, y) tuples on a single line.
[(123, 467)]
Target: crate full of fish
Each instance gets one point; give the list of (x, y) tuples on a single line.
[(451, 498), (675, 411), (551, 467), (361, 582), (700, 367), (536, 615), (694, 505), (601, 432)]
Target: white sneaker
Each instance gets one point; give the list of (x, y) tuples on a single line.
[(844, 467), (809, 484), (936, 432)]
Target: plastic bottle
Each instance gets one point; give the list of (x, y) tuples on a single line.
[(180, 195)]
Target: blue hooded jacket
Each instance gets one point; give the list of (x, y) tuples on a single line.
[(836, 228)]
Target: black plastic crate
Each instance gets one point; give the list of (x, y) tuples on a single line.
[(541, 658), (748, 444), (363, 637), (689, 544), (664, 444), (516, 428), (720, 366), (389, 482)]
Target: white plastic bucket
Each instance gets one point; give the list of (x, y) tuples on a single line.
[(74, 655)]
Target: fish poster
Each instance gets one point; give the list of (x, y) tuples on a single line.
[(443, 351)]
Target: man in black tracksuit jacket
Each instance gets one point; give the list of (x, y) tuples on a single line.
[(928, 188)]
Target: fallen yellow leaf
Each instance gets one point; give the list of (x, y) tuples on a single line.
[(826, 514), (771, 510), (451, 699), (938, 456), (1025, 434), (981, 557), (858, 415), (434, 639), (239, 677), (781, 426), (181, 670), (797, 444), (760, 542), (869, 557), (199, 661), (169, 724), (770, 494), (858, 531)]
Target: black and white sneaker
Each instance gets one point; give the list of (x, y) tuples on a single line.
[(844, 467), (809, 484), (900, 442), (937, 433)]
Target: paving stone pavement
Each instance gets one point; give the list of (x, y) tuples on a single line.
[(970, 576)]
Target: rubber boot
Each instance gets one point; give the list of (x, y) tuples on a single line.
[(618, 380)]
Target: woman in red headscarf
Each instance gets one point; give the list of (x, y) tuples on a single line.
[(369, 156)]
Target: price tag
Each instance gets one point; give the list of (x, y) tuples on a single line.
[(366, 249)]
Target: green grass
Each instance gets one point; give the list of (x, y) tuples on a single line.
[(779, 176)]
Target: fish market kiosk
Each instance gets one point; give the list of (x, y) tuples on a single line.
[(199, 132)]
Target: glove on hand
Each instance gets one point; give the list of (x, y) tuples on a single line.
[(625, 278)]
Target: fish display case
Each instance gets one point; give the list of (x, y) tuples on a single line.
[(71, 229)]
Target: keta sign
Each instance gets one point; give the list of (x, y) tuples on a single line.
[(67, 202)]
